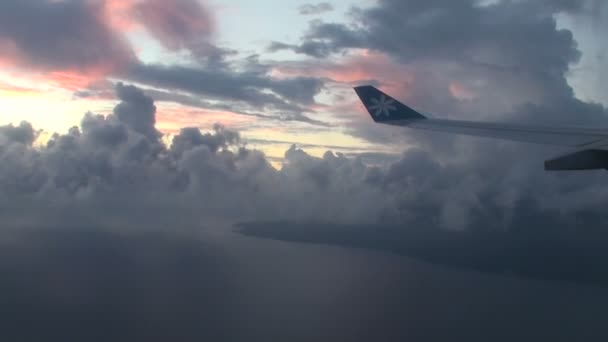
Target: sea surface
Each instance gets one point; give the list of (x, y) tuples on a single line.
[(216, 284)]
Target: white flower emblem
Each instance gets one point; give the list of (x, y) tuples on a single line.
[(383, 106)]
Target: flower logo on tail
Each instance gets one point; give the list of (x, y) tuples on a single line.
[(383, 106)]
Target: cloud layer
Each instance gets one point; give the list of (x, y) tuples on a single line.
[(116, 167), (466, 59)]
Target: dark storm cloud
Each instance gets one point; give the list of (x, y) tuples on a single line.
[(505, 37), (459, 30), (59, 35), (314, 9)]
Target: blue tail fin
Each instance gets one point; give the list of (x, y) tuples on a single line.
[(383, 107)]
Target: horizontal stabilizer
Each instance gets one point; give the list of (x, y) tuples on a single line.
[(582, 160)]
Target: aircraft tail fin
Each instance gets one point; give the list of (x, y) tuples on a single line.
[(384, 108)]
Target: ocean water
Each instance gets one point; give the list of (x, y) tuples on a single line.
[(213, 284)]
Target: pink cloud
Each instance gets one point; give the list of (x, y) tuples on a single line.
[(176, 24), (88, 43), (119, 14), (72, 47), (358, 68)]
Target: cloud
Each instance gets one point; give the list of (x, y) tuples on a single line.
[(177, 25), (118, 162), (85, 44), (455, 183), (59, 36), (246, 90), (501, 67), (136, 111), (120, 156), (506, 78), (315, 9), (463, 30), (315, 43), (23, 134), (466, 34)]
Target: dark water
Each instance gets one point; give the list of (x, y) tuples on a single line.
[(215, 285), (578, 254)]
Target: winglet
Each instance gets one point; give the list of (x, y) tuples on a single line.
[(383, 108)]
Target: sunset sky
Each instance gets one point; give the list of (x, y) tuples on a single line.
[(202, 170), (229, 62)]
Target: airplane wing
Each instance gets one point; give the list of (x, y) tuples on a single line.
[(591, 144)]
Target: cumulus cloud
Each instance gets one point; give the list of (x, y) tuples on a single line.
[(511, 59), (115, 167), (120, 159), (23, 134), (136, 111)]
